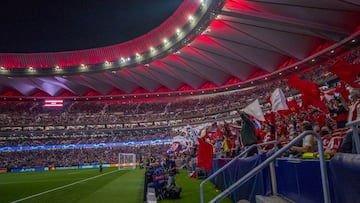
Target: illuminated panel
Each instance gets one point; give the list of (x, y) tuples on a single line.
[(53, 103)]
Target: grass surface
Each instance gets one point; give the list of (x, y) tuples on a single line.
[(88, 185)]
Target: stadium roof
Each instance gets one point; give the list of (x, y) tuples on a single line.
[(204, 45)]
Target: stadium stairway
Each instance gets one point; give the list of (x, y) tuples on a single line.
[(299, 180), (272, 199)]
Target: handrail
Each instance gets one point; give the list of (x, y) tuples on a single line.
[(353, 125), (227, 165), (270, 159)]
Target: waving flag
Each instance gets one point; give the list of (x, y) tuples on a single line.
[(310, 93), (205, 155), (346, 72), (278, 100), (254, 109)]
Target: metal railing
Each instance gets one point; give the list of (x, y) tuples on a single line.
[(228, 164), (355, 134), (257, 169)]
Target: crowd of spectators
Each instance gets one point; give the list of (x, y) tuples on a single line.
[(74, 157), (91, 138), (30, 116), (95, 116)]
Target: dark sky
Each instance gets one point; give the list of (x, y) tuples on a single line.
[(30, 26)]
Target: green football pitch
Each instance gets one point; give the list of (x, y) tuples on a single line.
[(89, 185)]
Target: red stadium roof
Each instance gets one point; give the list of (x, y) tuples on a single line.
[(202, 46)]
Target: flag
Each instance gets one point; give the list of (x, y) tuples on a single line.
[(226, 145), (205, 155), (254, 109), (248, 132), (257, 124), (310, 93), (278, 100), (293, 106), (346, 72)]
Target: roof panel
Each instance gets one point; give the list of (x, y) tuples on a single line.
[(247, 39)]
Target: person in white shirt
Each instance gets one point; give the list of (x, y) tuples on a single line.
[(308, 144), (354, 109)]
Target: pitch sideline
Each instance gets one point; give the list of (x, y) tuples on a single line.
[(61, 187)]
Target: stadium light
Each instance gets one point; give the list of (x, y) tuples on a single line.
[(31, 69), (191, 18), (82, 66), (58, 68)]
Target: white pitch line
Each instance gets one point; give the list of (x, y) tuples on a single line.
[(59, 188)]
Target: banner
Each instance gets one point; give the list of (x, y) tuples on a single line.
[(29, 169), (77, 146)]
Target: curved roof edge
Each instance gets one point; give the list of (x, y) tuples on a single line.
[(109, 53)]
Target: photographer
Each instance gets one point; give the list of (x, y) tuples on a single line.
[(172, 170)]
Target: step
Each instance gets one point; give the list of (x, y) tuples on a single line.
[(272, 199)]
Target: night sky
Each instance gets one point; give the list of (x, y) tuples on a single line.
[(33, 26)]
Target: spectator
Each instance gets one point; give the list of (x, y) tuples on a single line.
[(308, 144), (331, 142), (172, 170), (348, 145), (354, 112), (158, 178)]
